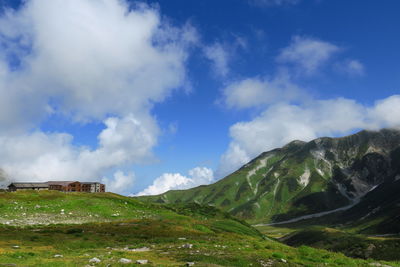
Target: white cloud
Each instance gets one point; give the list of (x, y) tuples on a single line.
[(86, 61), (289, 112), (173, 181), (219, 56), (285, 122), (233, 158), (384, 113), (120, 182), (99, 60), (352, 67), (43, 157), (307, 54), (258, 92)]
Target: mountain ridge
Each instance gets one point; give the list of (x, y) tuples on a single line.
[(301, 178)]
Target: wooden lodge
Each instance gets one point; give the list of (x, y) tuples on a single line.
[(28, 186), (63, 186)]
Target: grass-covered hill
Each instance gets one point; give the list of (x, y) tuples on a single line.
[(351, 244), (304, 178), (80, 229), (53, 207)]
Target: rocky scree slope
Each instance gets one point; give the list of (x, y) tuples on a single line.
[(307, 178)]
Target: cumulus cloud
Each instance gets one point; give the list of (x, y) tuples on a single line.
[(42, 157), (173, 181), (85, 61), (100, 60), (219, 56), (351, 67), (3, 176), (285, 122), (289, 112), (261, 91), (307, 54), (383, 114), (120, 182)]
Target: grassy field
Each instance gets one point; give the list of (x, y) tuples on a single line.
[(351, 244), (163, 235), (50, 207)]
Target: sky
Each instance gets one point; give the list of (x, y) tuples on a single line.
[(149, 96)]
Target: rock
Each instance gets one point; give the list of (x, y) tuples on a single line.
[(143, 249), (190, 263), (187, 246), (15, 247), (369, 250), (182, 238), (379, 264), (94, 260), (124, 261), (142, 261), (58, 256), (283, 260)]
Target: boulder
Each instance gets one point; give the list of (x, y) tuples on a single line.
[(187, 245), (94, 260), (124, 261)]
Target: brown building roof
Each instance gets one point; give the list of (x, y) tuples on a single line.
[(29, 185), (63, 183)]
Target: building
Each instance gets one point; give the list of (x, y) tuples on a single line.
[(93, 187), (63, 186), (28, 186)]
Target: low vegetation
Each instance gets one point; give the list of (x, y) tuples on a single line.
[(174, 235), (353, 245)]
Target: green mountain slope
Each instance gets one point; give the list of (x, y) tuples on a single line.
[(302, 178), (53, 207), (161, 235)]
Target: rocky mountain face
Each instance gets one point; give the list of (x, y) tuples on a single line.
[(307, 179)]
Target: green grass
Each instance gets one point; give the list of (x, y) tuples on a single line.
[(106, 241), (352, 245), (50, 207), (216, 237)]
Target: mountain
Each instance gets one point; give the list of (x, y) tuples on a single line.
[(350, 175)]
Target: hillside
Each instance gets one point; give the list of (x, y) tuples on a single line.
[(158, 235), (300, 179), (53, 207)]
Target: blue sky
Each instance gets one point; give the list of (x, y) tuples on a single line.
[(157, 95)]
